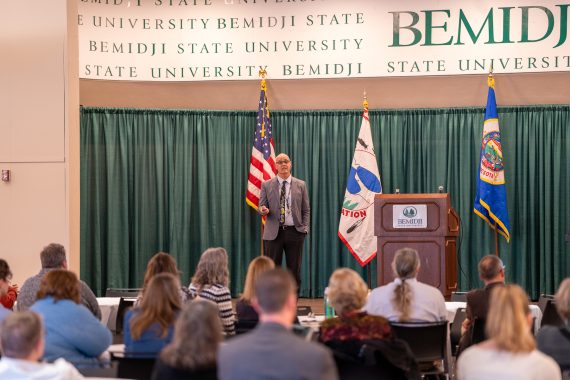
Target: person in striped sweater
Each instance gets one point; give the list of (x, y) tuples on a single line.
[(211, 280)]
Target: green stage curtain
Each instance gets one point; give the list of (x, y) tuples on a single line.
[(175, 181)]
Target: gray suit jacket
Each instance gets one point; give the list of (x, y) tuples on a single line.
[(300, 208), (270, 351)]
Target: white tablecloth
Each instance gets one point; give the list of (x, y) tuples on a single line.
[(453, 306)]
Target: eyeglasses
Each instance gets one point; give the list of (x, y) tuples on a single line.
[(282, 162)]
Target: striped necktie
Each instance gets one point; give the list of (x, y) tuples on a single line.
[(282, 204)]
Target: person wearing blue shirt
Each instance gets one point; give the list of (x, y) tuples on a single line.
[(150, 326)]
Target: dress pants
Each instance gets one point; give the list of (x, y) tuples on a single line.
[(291, 241)]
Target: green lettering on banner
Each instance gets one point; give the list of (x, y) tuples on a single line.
[(396, 29), (474, 37), (563, 24), (430, 27), (524, 23)]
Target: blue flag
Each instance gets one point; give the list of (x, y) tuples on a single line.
[(491, 199)]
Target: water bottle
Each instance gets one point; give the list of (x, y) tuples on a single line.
[(329, 311)]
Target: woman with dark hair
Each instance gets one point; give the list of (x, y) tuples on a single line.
[(5, 277), (211, 282), (149, 327), (244, 310), (406, 299), (193, 351), (72, 331), (162, 263), (510, 352)]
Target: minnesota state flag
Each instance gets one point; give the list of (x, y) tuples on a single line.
[(491, 199)]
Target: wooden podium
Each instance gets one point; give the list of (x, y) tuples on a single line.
[(425, 222)]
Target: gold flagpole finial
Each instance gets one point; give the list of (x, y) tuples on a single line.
[(262, 75), (491, 77), (365, 101)]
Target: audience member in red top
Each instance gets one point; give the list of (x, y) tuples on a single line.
[(347, 294), (8, 299)]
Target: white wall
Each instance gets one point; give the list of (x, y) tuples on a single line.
[(35, 122)]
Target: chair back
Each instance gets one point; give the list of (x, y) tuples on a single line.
[(134, 366), (370, 363), (550, 315), (459, 297), (122, 292), (427, 340), (245, 325), (478, 333), (455, 333), (124, 305), (542, 301)]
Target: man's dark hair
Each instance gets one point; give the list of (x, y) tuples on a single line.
[(5, 272), (20, 332), (273, 288), (489, 267), (53, 256)]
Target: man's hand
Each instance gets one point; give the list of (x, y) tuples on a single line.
[(465, 325), (263, 210)]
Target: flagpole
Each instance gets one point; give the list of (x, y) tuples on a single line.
[(496, 241), (368, 266), (262, 73)]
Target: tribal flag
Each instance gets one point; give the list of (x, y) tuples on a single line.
[(262, 163), (491, 199), (356, 227)]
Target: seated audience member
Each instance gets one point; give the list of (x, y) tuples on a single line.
[(193, 351), (149, 327), (347, 294), (406, 299), (555, 341), (353, 328), (5, 276), (510, 352), (53, 257), (22, 341), (211, 282), (9, 299), (492, 273), (163, 263), (72, 332), (271, 350), (244, 309)]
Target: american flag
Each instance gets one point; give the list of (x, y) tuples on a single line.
[(262, 164)]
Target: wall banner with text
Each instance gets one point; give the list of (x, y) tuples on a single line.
[(188, 40)]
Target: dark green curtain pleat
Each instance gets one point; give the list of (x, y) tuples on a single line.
[(175, 180)]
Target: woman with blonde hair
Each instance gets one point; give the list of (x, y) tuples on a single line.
[(510, 352), (162, 263), (149, 327), (193, 351), (211, 281), (406, 299), (554, 341), (72, 332), (244, 309)]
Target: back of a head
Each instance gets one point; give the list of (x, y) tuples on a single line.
[(20, 333), (507, 319), (563, 300), (405, 265), (197, 335), (5, 272), (60, 284), (273, 289), (257, 266), (53, 256), (346, 291), (212, 269), (160, 304), (160, 263), (489, 267)]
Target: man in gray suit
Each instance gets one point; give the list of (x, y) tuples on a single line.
[(285, 201), (271, 350)]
